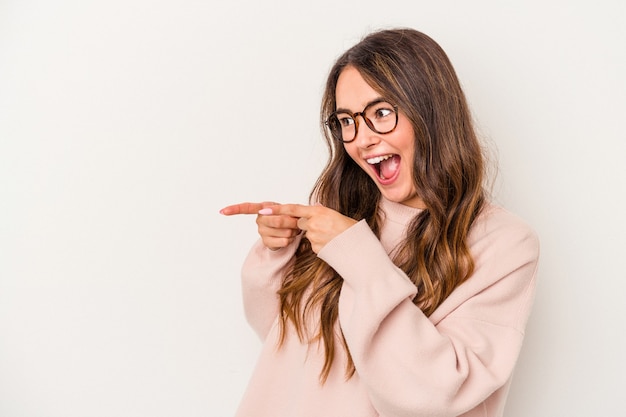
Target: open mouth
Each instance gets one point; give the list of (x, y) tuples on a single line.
[(385, 166)]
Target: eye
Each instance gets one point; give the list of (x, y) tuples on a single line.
[(345, 121), (383, 112)]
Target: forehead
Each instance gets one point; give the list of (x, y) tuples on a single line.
[(352, 91)]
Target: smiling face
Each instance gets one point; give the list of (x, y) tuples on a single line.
[(386, 158)]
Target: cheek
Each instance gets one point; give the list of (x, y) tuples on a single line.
[(407, 147), (351, 151), (405, 136)]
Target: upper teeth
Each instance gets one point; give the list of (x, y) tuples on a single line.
[(377, 159)]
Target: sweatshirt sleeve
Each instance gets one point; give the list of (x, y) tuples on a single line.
[(261, 277), (449, 363)]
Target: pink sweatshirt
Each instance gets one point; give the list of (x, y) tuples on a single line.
[(458, 361)]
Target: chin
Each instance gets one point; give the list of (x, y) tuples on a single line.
[(410, 200)]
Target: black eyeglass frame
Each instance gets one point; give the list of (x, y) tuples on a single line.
[(368, 122)]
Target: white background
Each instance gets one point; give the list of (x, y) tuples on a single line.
[(126, 125)]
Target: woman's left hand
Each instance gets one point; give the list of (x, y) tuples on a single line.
[(320, 224)]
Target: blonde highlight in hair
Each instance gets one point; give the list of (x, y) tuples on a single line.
[(411, 70)]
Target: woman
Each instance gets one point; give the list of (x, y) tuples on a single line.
[(402, 291)]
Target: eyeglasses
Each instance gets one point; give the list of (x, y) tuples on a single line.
[(379, 115)]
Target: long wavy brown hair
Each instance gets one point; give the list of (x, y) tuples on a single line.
[(411, 70)]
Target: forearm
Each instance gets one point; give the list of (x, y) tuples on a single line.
[(262, 274), (411, 365)]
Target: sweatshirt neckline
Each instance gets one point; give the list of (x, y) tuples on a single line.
[(398, 212)]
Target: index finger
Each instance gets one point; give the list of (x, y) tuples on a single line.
[(245, 208), (293, 210)]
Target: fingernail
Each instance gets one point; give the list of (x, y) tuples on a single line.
[(265, 211)]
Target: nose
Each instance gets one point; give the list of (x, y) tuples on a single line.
[(365, 136)]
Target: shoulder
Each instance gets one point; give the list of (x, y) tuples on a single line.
[(505, 251), (498, 232)]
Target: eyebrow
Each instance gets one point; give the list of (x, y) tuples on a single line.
[(376, 100)]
